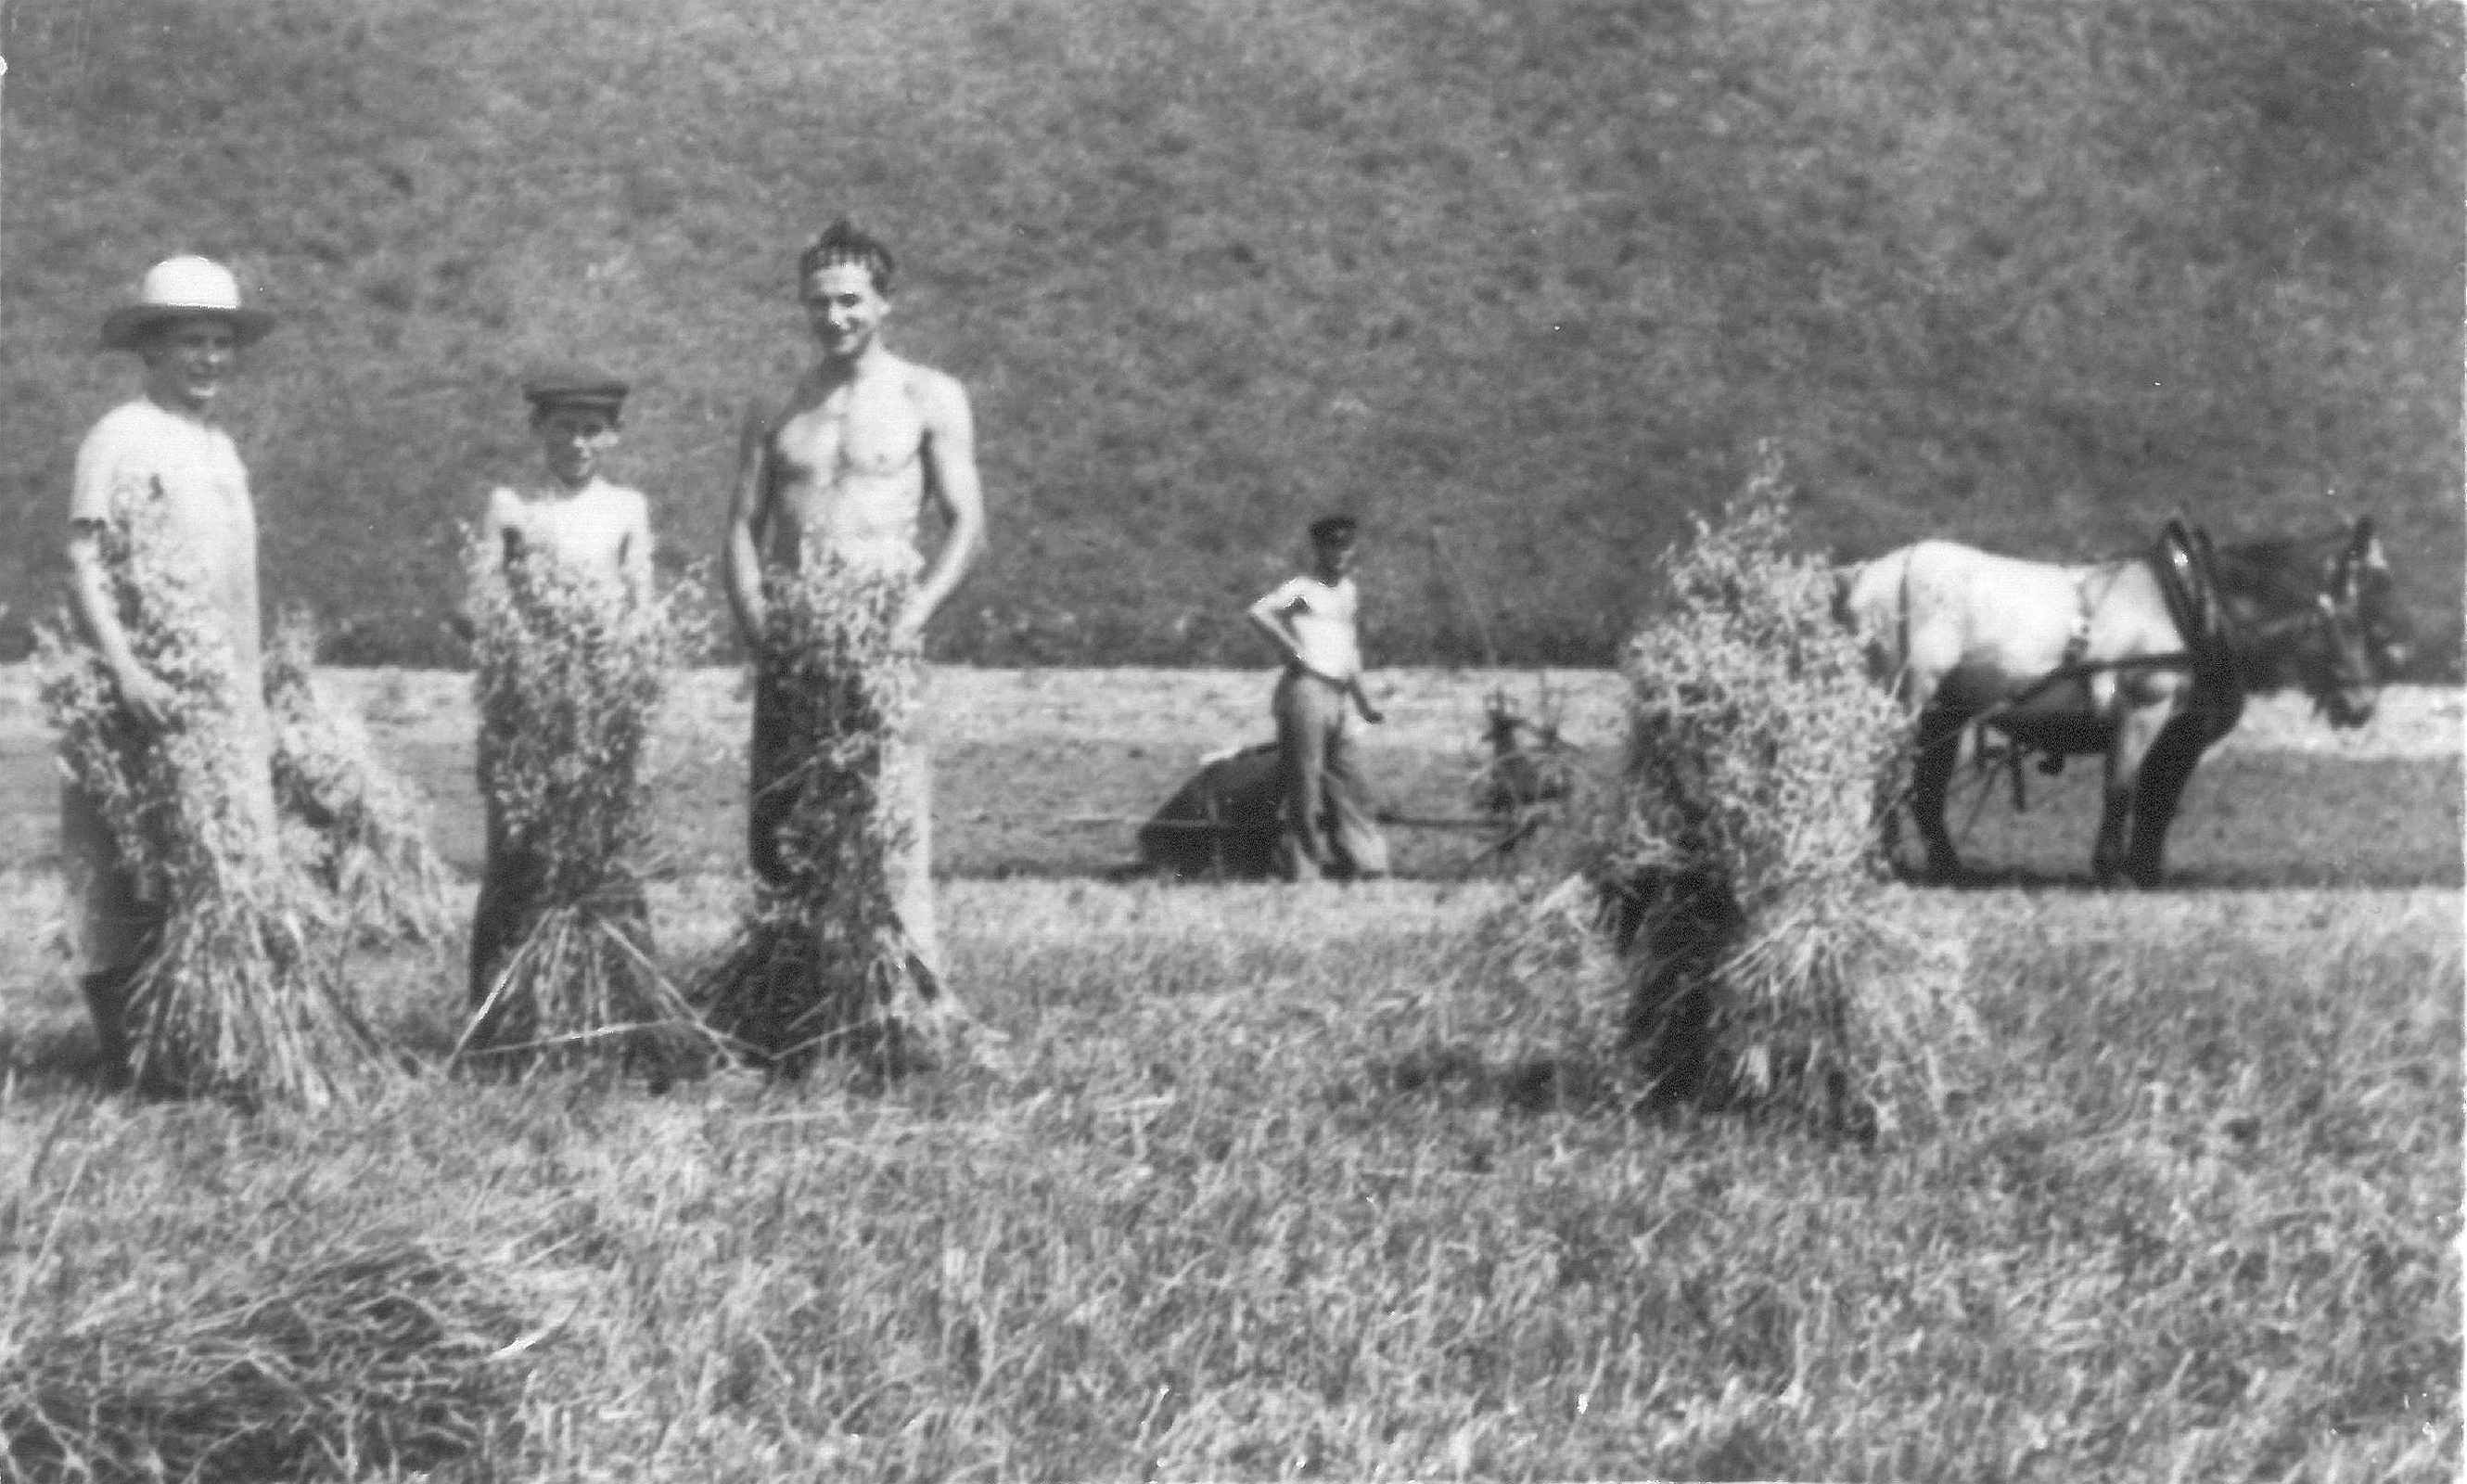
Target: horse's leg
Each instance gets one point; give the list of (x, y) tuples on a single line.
[(2136, 733), (1938, 754), (2165, 770)]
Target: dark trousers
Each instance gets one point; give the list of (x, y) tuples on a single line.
[(906, 786), (1328, 826), (512, 882)]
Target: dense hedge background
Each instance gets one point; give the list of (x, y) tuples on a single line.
[(2030, 275)]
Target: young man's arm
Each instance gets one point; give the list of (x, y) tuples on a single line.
[(1362, 701), (485, 560), (950, 458), (635, 554), (748, 512), (90, 516), (1268, 617)]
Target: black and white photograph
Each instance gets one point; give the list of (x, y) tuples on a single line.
[(1287, 740)]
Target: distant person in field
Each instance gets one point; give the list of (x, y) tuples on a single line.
[(844, 468), (186, 327), (576, 517), (1312, 621)]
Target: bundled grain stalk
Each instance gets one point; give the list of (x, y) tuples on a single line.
[(823, 962), (375, 1357), (1770, 964), (359, 830), (569, 673), (233, 999)]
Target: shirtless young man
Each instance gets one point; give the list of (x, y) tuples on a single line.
[(186, 327), (845, 470), (587, 525)]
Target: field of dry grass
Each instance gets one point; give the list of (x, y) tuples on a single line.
[(1268, 1187), (1043, 772), (1269, 1183)]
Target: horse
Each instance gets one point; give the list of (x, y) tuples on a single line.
[(2147, 660)]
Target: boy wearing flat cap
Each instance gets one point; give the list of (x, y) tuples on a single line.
[(186, 327), (589, 527), (598, 529)]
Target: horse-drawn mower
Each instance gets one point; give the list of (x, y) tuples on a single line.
[(1224, 821)]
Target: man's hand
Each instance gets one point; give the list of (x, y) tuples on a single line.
[(1362, 703), (149, 700), (907, 630)]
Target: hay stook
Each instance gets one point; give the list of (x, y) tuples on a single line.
[(240, 995), (1769, 963), (358, 828), (824, 965), (569, 673)]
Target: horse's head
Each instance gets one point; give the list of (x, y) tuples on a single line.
[(2328, 625), (2360, 577), (2364, 638), (2334, 661)]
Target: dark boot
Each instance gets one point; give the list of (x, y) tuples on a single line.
[(106, 1000)]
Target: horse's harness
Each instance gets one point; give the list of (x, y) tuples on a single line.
[(2187, 570), (2186, 563)]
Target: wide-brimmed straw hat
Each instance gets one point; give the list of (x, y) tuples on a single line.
[(176, 288)]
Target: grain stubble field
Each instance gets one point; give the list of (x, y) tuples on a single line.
[(1269, 1188)]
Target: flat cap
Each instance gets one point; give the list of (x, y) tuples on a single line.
[(573, 384)]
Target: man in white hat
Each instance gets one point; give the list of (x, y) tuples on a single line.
[(186, 327)]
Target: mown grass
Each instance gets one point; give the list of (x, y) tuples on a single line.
[(1066, 804), (1268, 1191), (2030, 276)]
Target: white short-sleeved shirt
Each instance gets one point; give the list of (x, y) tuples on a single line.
[(138, 443), (1321, 615)]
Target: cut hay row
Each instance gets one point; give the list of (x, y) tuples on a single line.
[(569, 674), (823, 962), (235, 998), (388, 1356), (358, 828)]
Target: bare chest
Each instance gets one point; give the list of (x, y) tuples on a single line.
[(870, 430)]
